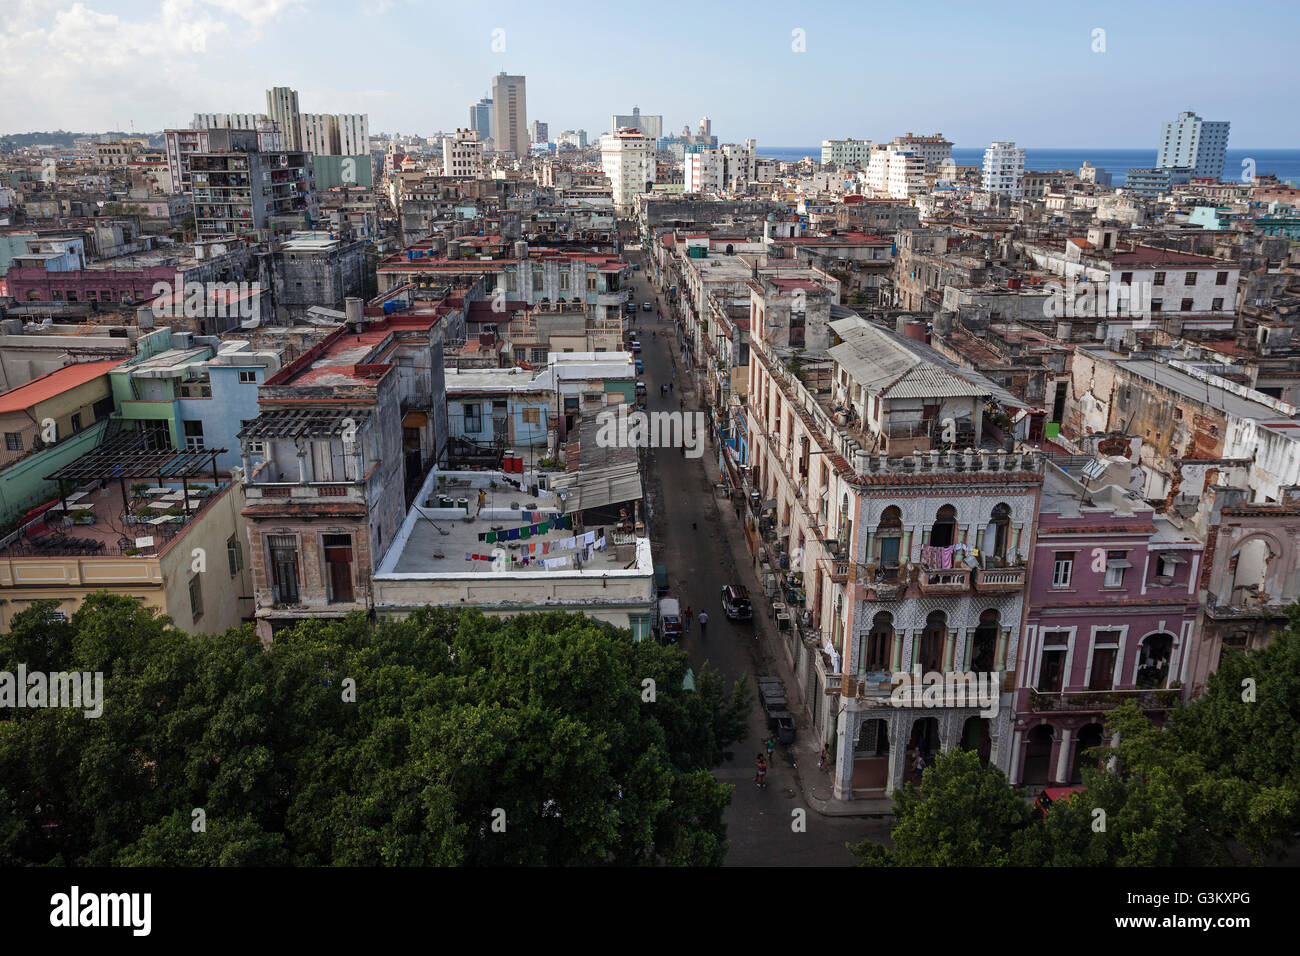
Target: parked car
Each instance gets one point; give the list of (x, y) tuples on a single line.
[(736, 604), (640, 367), (670, 620), (636, 267), (647, 307), (777, 711), (634, 345), (641, 391)]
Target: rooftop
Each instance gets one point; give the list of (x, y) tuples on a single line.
[(53, 384)]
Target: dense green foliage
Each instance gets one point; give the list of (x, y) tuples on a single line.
[(1219, 784), (471, 740)]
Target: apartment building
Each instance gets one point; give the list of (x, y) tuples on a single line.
[(897, 529), (651, 126), (238, 189), (462, 154), (1192, 143), (1112, 617), (846, 152), (934, 150), (282, 108), (627, 157), (1004, 170)]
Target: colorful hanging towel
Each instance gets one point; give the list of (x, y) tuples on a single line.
[(491, 537)]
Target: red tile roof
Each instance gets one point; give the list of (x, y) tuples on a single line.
[(52, 384)]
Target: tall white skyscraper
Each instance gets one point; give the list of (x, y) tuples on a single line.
[(628, 159), (1004, 170), (510, 119), (652, 126), (282, 106), (354, 134), (1190, 142)]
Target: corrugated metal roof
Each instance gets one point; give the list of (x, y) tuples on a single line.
[(596, 487)]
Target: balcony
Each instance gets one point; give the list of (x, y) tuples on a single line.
[(838, 570), (944, 581), (347, 492), (999, 580), (1102, 700)]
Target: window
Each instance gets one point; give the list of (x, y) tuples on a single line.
[(1189, 278), (591, 281), (76, 423), (1051, 669), (234, 554), (1126, 278), (102, 408), (196, 597), (247, 377), (13, 441), (1105, 652), (1157, 305), (193, 434), (1216, 305), (1221, 279), (943, 533), (338, 562), (284, 568), (1186, 305), (532, 416), (564, 281), (537, 278), (1159, 279), (933, 639), (511, 284), (1116, 565), (1062, 569), (473, 418)]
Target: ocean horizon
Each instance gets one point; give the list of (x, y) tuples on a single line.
[(1282, 163)]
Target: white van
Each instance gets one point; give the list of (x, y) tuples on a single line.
[(670, 620)]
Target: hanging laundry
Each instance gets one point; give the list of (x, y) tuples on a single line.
[(491, 537)]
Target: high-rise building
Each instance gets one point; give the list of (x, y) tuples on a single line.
[(319, 134), (1190, 142), (282, 106), (933, 150), (354, 134), (510, 122), (575, 138), (1004, 169), (628, 159), (652, 126), (539, 132), (706, 127), (480, 117)]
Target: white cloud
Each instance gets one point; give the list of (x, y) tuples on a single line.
[(75, 67)]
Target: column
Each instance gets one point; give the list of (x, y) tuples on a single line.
[(897, 754), (1018, 745), (847, 735), (1064, 748)]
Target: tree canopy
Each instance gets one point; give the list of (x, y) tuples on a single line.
[(448, 738)]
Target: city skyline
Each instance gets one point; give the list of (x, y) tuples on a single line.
[(86, 58)]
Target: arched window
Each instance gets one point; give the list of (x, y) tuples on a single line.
[(997, 535), (880, 643), (1153, 661), (944, 530), (889, 540), (933, 640), (984, 643)]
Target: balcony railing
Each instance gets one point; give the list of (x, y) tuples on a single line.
[(999, 580), (345, 491), (1102, 700), (942, 581)]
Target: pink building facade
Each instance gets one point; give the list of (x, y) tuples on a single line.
[(1113, 617)]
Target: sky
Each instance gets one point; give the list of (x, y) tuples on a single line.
[(788, 74)]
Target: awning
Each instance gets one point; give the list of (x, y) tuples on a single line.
[(1117, 563), (1171, 556), (415, 419)]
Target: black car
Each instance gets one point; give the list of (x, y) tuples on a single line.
[(736, 604)]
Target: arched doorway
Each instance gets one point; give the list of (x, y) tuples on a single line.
[(1250, 570), (997, 536), (934, 640), (878, 652), (1153, 661), (1038, 756), (1090, 735), (889, 540), (975, 736), (943, 532), (984, 643)]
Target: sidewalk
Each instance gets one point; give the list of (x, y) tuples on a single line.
[(815, 785)]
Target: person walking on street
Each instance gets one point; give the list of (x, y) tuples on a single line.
[(771, 749), (704, 623), (687, 616), (670, 387), (760, 773)]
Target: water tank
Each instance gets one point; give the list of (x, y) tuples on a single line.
[(521, 250), (453, 249), (353, 308), (916, 329)]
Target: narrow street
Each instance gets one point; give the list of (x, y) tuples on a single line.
[(701, 557)]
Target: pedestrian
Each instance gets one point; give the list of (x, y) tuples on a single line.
[(687, 616), (822, 760), (920, 764), (704, 623), (760, 772), (771, 748), (670, 384), (482, 499)]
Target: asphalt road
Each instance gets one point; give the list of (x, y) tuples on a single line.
[(762, 825)]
